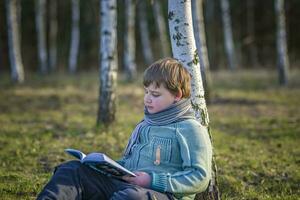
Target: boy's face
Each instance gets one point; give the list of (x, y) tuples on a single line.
[(158, 98)]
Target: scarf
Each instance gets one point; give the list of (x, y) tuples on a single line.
[(177, 112)]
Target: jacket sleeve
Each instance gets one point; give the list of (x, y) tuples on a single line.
[(196, 154)]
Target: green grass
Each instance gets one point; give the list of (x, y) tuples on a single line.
[(254, 123)]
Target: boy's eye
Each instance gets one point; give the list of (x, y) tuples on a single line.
[(155, 94)]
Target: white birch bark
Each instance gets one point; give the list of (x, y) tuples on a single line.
[(75, 36), (129, 40), (184, 49), (53, 35), (144, 33), (282, 52), (41, 35), (161, 28), (228, 41), (17, 70), (199, 32), (108, 61)]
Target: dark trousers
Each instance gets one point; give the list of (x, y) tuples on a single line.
[(73, 180)]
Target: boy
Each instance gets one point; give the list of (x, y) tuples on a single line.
[(169, 150)]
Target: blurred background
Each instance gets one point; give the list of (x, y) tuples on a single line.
[(253, 25)]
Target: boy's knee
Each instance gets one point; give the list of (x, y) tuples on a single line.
[(130, 194), (72, 165)]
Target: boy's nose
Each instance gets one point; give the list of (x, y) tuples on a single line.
[(147, 98)]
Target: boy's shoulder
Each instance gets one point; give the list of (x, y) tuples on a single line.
[(190, 124), (193, 131)]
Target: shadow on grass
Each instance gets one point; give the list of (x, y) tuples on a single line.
[(247, 102)]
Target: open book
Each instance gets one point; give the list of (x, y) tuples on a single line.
[(101, 163)]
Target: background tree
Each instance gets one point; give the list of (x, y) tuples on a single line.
[(108, 61), (200, 37), (129, 40), (282, 53), (161, 28), (53, 34), (228, 41), (40, 10), (184, 49), (17, 71), (75, 36), (144, 32)]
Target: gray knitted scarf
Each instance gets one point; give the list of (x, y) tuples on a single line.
[(177, 112)]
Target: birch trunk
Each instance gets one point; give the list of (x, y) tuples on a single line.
[(184, 49), (199, 32), (108, 61), (282, 52), (75, 36), (129, 43), (17, 70), (161, 28), (41, 35), (228, 41), (53, 35), (144, 33)]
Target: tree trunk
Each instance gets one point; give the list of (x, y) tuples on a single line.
[(161, 28), (199, 32), (108, 61), (17, 70), (184, 49), (41, 34), (53, 35), (282, 53), (228, 41), (75, 36), (129, 43), (144, 33)]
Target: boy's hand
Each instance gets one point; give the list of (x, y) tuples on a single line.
[(142, 179)]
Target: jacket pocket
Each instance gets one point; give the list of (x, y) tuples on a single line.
[(161, 149)]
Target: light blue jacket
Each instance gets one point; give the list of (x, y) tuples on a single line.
[(177, 156)]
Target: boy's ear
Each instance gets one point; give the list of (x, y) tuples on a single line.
[(178, 96)]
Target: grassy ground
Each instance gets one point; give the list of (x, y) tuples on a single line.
[(254, 122)]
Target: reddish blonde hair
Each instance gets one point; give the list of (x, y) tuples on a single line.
[(171, 73)]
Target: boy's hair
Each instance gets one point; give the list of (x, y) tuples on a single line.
[(171, 74)]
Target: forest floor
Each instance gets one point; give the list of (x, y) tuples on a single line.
[(254, 122)]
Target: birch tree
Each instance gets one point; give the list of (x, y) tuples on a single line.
[(282, 53), (228, 41), (199, 32), (184, 49), (129, 41), (40, 10), (53, 35), (17, 70), (75, 36), (144, 32), (161, 28), (108, 61)]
